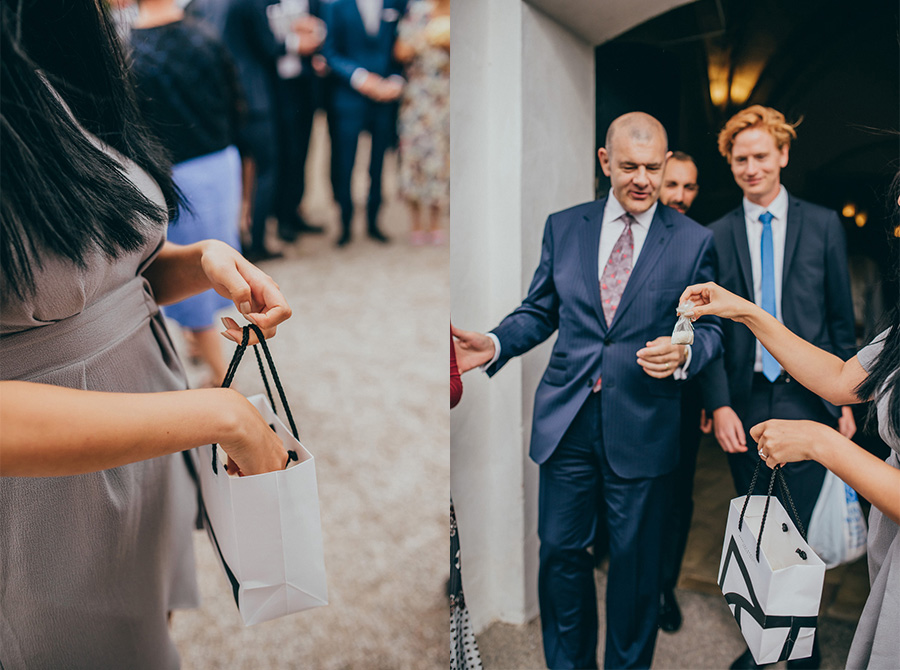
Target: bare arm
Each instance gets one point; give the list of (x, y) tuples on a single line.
[(783, 441), (822, 373), (51, 431), (179, 272)]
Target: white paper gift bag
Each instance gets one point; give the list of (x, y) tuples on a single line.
[(773, 585), (266, 528)]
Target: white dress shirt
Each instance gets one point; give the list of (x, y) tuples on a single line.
[(778, 208), (610, 230)]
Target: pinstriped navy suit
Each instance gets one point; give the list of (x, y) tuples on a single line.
[(618, 443)]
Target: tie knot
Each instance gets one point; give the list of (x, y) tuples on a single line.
[(628, 219), (766, 218)]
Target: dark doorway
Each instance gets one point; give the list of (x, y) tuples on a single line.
[(833, 64)]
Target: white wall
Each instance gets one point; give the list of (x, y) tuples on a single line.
[(522, 146)]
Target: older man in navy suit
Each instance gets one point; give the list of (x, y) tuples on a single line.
[(367, 82), (607, 410), (789, 257)]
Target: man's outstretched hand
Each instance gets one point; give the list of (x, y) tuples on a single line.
[(472, 349)]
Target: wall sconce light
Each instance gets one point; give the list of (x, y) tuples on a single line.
[(849, 210), (897, 231), (861, 219)]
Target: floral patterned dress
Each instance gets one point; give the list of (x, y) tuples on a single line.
[(424, 121)]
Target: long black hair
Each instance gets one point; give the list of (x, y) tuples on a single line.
[(60, 193), (884, 377)]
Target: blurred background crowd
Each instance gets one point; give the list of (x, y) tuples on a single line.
[(234, 87)]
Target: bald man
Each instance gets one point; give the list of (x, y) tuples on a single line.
[(607, 410)]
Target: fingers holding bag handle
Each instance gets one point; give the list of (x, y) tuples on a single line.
[(232, 466)]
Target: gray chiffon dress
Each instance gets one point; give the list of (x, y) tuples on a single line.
[(876, 643), (91, 564)]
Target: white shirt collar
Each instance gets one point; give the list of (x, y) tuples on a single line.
[(614, 210), (778, 207)]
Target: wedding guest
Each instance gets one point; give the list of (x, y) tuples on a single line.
[(423, 46), (188, 91), (872, 374), (679, 190), (244, 28), (366, 83), (790, 257), (96, 546), (606, 411)]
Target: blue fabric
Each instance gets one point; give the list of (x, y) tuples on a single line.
[(571, 481), (211, 186), (771, 368)]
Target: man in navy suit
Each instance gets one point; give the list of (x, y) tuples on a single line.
[(244, 28), (789, 257), (366, 84), (607, 410)]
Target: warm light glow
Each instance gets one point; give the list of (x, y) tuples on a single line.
[(849, 210), (717, 71), (861, 219), (897, 231), (744, 79)]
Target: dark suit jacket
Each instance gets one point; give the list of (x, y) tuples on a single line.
[(641, 415), (245, 30), (348, 46), (816, 302)]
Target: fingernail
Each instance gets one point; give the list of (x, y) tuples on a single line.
[(251, 319), (225, 323), (245, 308)]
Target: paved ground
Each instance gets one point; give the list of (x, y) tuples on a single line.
[(709, 637), (364, 364)]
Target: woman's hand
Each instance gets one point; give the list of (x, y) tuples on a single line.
[(252, 446), (254, 293), (710, 298), (781, 441)]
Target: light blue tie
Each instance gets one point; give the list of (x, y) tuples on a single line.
[(771, 368)]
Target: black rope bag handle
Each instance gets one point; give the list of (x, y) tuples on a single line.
[(229, 378), (779, 475)]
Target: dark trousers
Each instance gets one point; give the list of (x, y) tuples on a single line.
[(784, 399), (259, 137), (379, 120), (680, 506), (571, 482), (296, 107)]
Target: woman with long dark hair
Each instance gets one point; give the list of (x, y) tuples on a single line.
[(97, 505), (870, 375)]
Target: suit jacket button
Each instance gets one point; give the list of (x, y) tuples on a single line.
[(590, 382), (607, 341)]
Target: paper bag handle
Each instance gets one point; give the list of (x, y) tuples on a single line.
[(776, 474), (229, 377)]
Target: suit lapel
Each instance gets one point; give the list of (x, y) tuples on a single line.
[(589, 241), (742, 249), (792, 234), (657, 239)]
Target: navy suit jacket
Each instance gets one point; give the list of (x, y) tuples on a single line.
[(348, 46), (640, 414), (244, 29), (816, 302)]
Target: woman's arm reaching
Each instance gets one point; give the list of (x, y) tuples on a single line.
[(48, 431), (781, 441), (823, 373)]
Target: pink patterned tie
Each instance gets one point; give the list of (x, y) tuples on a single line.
[(617, 270)]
